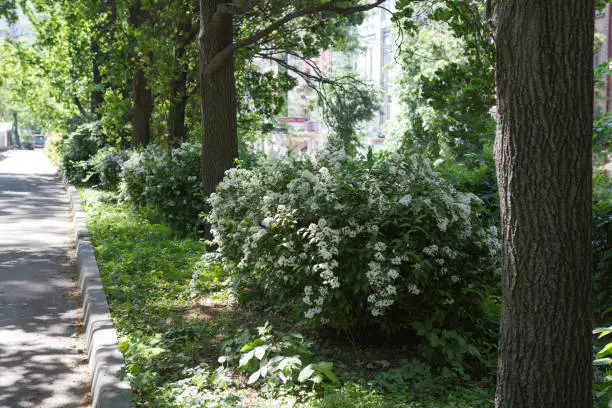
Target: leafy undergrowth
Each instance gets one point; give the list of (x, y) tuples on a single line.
[(202, 351)]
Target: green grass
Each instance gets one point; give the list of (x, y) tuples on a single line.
[(171, 339)]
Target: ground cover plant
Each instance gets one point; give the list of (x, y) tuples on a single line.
[(185, 351)]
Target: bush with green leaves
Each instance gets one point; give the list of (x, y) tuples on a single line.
[(106, 167), (360, 243), (166, 181), (279, 362), (602, 241), (603, 370), (602, 138), (76, 149)]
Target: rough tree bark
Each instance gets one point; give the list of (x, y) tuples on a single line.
[(176, 111), (141, 93), (97, 94), (16, 131), (142, 110), (543, 159), (217, 95), (178, 86)]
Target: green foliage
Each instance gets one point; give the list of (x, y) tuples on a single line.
[(25, 88), (602, 138), (602, 241), (106, 167), (376, 243), (76, 149), (280, 362), (167, 182), (410, 384), (146, 273), (7, 10), (170, 349), (344, 106), (448, 86), (263, 100), (603, 369), (475, 172)]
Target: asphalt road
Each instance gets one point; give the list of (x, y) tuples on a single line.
[(40, 363)]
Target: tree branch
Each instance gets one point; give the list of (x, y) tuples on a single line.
[(235, 9), (328, 7), (309, 78), (78, 104)]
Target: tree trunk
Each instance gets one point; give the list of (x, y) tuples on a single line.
[(217, 96), (141, 93), (176, 112), (79, 106), (143, 109), (97, 94), (178, 87), (543, 160), (16, 131)]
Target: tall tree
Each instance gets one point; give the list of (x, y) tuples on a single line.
[(271, 24), (16, 131), (543, 158), (185, 34), (141, 91)]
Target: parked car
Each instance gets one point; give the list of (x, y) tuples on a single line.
[(38, 142)]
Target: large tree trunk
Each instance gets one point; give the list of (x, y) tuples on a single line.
[(16, 131), (97, 94), (176, 112), (543, 160), (178, 87), (143, 109), (141, 93), (218, 97)]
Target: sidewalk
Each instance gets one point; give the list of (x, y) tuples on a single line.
[(40, 365)]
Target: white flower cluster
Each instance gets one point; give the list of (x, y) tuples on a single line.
[(166, 180), (331, 228)]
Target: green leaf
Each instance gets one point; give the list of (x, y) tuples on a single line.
[(250, 346), (260, 351), (123, 347), (603, 331), (288, 361), (606, 351), (325, 368), (245, 358), (602, 361), (254, 377), (306, 373)]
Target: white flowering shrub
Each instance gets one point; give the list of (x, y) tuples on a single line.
[(106, 167), (358, 242), (166, 181)]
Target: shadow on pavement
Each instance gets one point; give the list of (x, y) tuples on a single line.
[(31, 387), (40, 364)]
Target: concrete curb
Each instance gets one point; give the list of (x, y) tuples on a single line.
[(105, 360)]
